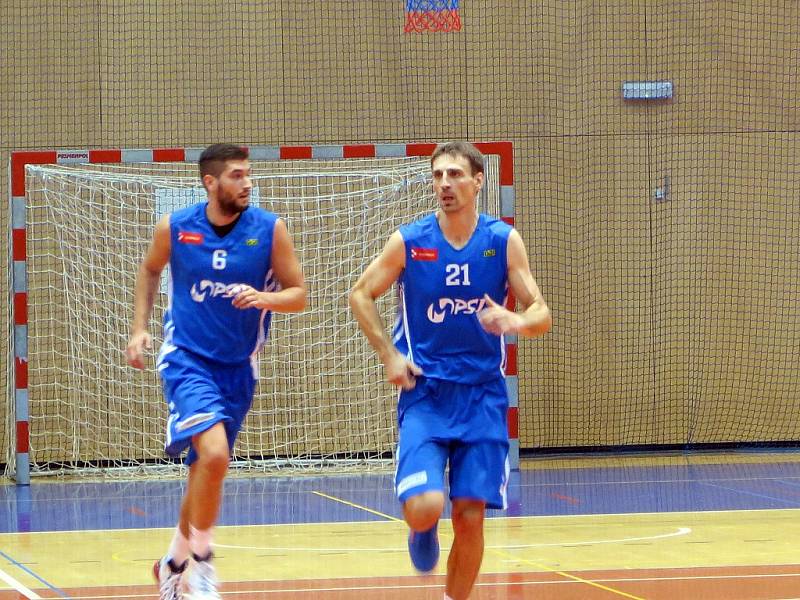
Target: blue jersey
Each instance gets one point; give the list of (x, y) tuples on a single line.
[(204, 272), (441, 291)]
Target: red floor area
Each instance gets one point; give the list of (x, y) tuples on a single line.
[(723, 583)]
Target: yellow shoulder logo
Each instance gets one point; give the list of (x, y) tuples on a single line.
[(489, 252), (252, 242)]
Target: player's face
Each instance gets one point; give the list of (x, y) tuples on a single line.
[(233, 187), (455, 185)]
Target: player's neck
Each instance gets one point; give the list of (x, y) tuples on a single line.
[(458, 227), (216, 216)]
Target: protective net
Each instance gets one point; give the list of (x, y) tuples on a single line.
[(664, 235)]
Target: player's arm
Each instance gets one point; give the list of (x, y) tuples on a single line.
[(286, 269), (373, 283), (535, 318), (147, 278)]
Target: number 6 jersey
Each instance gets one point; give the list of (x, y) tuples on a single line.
[(205, 270)]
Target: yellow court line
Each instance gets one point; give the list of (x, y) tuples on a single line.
[(497, 552), (565, 574), (358, 506)]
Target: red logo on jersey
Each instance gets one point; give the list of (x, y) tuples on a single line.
[(424, 254), (189, 237)]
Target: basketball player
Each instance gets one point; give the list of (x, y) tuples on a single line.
[(231, 267), (454, 268)]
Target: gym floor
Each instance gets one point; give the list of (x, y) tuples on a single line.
[(681, 526)]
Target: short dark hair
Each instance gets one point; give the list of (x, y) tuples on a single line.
[(465, 149), (212, 160)]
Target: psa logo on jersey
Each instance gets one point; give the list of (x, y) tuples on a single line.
[(213, 289), (454, 306)]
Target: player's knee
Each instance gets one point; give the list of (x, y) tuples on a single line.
[(423, 511), (214, 461), (468, 520)]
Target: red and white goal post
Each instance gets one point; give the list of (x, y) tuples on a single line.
[(80, 221)]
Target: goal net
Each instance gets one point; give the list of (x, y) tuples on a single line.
[(321, 399)]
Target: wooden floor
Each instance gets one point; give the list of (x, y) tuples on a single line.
[(710, 553)]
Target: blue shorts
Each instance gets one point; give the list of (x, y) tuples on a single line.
[(465, 424), (201, 393)]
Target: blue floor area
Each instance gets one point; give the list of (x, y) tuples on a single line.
[(48, 506)]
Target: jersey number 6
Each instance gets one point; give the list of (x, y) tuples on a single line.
[(218, 259)]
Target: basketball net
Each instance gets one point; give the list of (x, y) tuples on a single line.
[(432, 15)]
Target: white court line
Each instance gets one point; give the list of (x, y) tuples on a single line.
[(489, 521), (678, 532), (487, 584), (31, 595)]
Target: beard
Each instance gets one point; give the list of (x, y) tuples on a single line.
[(229, 204)]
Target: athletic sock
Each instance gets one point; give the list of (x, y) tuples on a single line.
[(200, 543), (179, 548), (177, 568)]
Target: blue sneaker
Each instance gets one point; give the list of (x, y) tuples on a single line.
[(424, 549)]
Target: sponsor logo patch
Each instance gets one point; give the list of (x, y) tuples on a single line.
[(213, 289), (426, 254), (454, 306), (413, 480), (489, 252), (72, 156), (190, 237), (252, 242)]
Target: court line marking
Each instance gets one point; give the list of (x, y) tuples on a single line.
[(489, 519), (500, 553), (358, 506), (680, 531), (22, 567), (487, 584), (791, 503), (31, 595), (546, 484)]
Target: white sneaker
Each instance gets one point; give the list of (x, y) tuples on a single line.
[(203, 581), (170, 581)]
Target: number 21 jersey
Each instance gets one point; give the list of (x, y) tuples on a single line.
[(441, 293)]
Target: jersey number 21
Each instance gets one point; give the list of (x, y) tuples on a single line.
[(457, 274)]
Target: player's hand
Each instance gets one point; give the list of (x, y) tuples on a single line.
[(249, 297), (402, 372), (137, 344), (497, 319)]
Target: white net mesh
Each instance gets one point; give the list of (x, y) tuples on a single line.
[(321, 400)]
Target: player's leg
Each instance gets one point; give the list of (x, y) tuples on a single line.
[(466, 553), (197, 414), (193, 401), (209, 458), (204, 489), (478, 478), (170, 568), (204, 497), (422, 510), (479, 471), (419, 480), (199, 509)]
